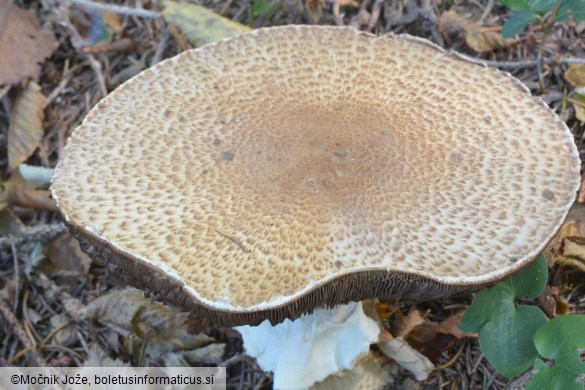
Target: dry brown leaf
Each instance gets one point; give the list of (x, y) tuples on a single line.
[(315, 9), (65, 256), (452, 24), (451, 326), (427, 337), (26, 124), (574, 226), (403, 325), (22, 43), (575, 75), (551, 302), (572, 253), (26, 197)]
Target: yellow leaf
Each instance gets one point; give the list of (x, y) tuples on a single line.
[(200, 25), (572, 253), (26, 124), (575, 75)]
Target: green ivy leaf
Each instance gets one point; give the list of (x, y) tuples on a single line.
[(487, 305), (541, 7), (531, 281), (517, 23), (516, 5), (507, 340), (561, 339), (573, 8)]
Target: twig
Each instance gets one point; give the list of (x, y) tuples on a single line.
[(451, 361), (487, 10), (14, 324), (16, 274), (237, 358), (41, 232), (531, 63), (375, 15), (572, 61), (546, 29), (161, 44), (16, 327), (118, 9), (97, 68), (4, 91), (337, 13)]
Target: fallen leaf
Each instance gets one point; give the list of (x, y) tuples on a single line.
[(65, 257), (200, 25), (575, 74), (403, 325), (384, 310), (22, 43), (451, 326), (451, 24), (97, 357), (92, 26), (572, 253), (156, 329), (552, 303), (433, 339), (209, 354), (574, 226), (398, 350), (26, 197), (315, 9), (9, 223), (65, 331), (26, 124)]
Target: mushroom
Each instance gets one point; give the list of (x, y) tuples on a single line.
[(299, 168)]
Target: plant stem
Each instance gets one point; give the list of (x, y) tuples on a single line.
[(547, 29)]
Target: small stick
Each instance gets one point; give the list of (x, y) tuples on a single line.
[(160, 47), (375, 15), (118, 9), (16, 274), (97, 68), (530, 63)]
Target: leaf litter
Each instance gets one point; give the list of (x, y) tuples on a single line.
[(64, 305), (23, 44)]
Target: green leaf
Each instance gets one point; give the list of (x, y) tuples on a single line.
[(516, 5), (487, 305), (264, 8), (507, 341), (530, 282), (562, 339), (517, 22), (200, 25), (573, 8), (541, 7)]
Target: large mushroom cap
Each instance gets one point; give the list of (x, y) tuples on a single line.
[(294, 167)]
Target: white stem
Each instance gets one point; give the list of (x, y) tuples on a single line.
[(307, 350)]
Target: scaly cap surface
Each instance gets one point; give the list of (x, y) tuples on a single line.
[(294, 167)]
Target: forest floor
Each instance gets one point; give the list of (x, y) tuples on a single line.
[(53, 306)]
